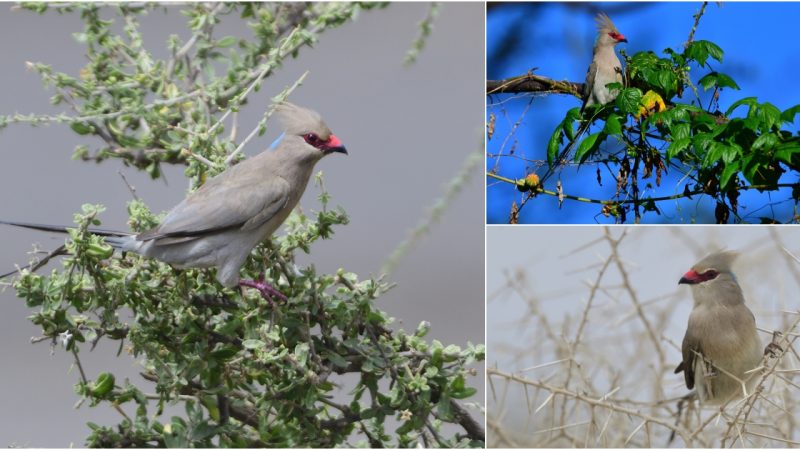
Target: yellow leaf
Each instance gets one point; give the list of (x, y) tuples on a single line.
[(651, 102)]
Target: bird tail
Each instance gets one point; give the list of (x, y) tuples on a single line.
[(117, 239), (61, 228), (564, 153)]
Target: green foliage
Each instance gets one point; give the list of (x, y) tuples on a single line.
[(425, 28), (276, 367), (246, 372), (149, 111), (722, 153)]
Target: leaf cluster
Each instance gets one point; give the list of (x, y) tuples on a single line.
[(249, 373), (149, 111), (721, 152)]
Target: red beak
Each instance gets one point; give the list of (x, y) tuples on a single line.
[(334, 145), (690, 277)]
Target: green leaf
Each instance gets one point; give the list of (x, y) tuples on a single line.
[(697, 51), (227, 41), (680, 131), (715, 152), (724, 81), (728, 172), (770, 115), (702, 141), (552, 146), (336, 359), (701, 50), (568, 123), (463, 393), (628, 100), (750, 101), (731, 153), (766, 141), (252, 344), (81, 128), (708, 81), (788, 115), (714, 50), (751, 165), (667, 81), (677, 146), (103, 384), (786, 151), (613, 125), (301, 353), (589, 145)]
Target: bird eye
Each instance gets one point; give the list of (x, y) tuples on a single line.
[(312, 139), (710, 274)]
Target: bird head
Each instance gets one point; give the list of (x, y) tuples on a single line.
[(607, 32), (714, 267), (303, 125)]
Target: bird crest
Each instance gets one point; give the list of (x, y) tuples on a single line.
[(299, 121), (605, 25), (721, 261)]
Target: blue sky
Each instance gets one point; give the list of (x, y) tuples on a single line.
[(762, 55)]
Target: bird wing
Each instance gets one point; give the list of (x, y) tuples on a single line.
[(222, 204), (591, 75), (690, 348)]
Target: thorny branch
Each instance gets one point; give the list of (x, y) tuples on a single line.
[(599, 366)]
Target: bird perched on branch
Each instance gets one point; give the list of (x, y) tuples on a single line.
[(604, 69), (222, 221), (721, 347)]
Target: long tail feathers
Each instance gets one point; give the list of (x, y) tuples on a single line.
[(61, 228), (564, 153), (117, 239)]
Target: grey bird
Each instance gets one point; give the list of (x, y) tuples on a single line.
[(604, 69), (222, 221), (721, 347)]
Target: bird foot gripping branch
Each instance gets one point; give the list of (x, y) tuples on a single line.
[(267, 291)]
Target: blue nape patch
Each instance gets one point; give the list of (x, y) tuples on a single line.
[(277, 141)]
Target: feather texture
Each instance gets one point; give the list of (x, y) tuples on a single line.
[(721, 345)]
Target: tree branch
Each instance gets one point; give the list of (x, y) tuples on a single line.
[(533, 83), (649, 199)]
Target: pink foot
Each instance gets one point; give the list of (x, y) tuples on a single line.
[(266, 290)]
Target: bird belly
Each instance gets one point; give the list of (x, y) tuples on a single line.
[(602, 94), (725, 371)]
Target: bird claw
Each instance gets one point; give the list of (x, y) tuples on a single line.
[(265, 289), (710, 370), (773, 350)]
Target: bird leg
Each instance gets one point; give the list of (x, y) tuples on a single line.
[(773, 349), (265, 289), (710, 371)]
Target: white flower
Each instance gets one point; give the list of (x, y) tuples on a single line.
[(65, 338)]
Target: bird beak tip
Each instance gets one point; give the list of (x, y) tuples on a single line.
[(689, 277)]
